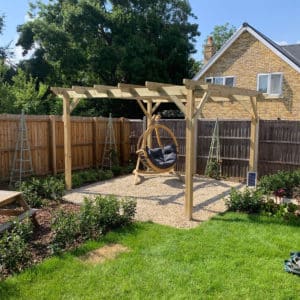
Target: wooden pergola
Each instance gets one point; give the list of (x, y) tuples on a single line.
[(190, 98)]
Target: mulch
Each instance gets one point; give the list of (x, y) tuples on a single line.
[(42, 234)]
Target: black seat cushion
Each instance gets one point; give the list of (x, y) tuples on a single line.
[(163, 158)]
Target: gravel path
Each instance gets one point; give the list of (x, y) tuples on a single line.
[(160, 198)]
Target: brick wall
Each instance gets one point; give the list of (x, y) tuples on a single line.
[(245, 59)]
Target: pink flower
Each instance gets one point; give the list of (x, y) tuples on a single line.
[(279, 193)]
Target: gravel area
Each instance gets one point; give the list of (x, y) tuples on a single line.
[(160, 198)]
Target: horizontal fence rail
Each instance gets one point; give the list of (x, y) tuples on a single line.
[(46, 139), (279, 143)]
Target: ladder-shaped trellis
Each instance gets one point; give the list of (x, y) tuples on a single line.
[(110, 154), (213, 165), (22, 160)]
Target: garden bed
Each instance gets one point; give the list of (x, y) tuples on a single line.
[(42, 234)]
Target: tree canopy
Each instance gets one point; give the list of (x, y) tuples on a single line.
[(105, 42), (220, 34), (4, 50)]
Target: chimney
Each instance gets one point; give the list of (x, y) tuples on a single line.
[(209, 49)]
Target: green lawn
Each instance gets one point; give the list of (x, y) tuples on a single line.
[(230, 257)]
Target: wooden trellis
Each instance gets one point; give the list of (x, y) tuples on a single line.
[(190, 98)]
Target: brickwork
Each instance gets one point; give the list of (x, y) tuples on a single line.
[(247, 57)]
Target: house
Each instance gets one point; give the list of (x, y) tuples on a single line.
[(251, 60)]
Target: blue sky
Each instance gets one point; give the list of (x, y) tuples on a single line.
[(279, 20)]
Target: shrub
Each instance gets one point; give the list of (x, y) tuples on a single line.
[(30, 194), (117, 170), (65, 226), (96, 217), (89, 176), (35, 189), (281, 180), (128, 210), (80, 178), (89, 227), (285, 210), (14, 248), (248, 200), (77, 180), (213, 169), (52, 188), (128, 168), (109, 174)]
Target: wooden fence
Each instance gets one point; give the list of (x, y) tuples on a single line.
[(279, 143), (46, 138)]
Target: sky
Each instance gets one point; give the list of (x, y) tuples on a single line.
[(277, 19)]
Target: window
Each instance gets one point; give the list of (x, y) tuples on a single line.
[(222, 80), (270, 83)]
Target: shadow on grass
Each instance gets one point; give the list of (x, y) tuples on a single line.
[(256, 218)]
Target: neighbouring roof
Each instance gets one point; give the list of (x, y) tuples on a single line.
[(289, 53)]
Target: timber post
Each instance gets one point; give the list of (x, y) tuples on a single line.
[(253, 136), (53, 144), (67, 141), (190, 150)]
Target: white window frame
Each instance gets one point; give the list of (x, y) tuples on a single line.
[(223, 79), (269, 83)]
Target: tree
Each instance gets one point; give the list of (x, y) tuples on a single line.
[(84, 42), (28, 93), (221, 34), (5, 51), (7, 98)]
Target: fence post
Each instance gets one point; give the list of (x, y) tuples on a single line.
[(52, 145), (253, 145), (94, 132), (123, 141)]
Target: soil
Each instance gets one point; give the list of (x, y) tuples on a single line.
[(104, 253), (42, 235)]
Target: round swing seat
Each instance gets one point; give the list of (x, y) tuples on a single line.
[(163, 158)]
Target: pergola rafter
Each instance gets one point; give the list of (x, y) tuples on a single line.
[(190, 98)]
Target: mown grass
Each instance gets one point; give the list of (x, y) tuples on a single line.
[(234, 256)]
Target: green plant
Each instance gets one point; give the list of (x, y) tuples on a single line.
[(89, 227), (30, 193), (14, 248), (103, 213), (77, 180), (286, 180), (213, 169), (247, 200), (66, 229), (128, 210), (36, 189), (117, 170), (114, 157), (108, 174), (52, 188), (128, 168)]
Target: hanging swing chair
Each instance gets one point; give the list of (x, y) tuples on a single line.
[(157, 151)]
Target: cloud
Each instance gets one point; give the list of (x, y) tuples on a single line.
[(282, 43), (18, 52)]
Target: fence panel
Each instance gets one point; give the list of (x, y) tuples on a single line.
[(279, 146), (234, 146), (46, 138)]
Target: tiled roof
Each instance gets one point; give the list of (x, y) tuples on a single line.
[(289, 53), (292, 52)]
